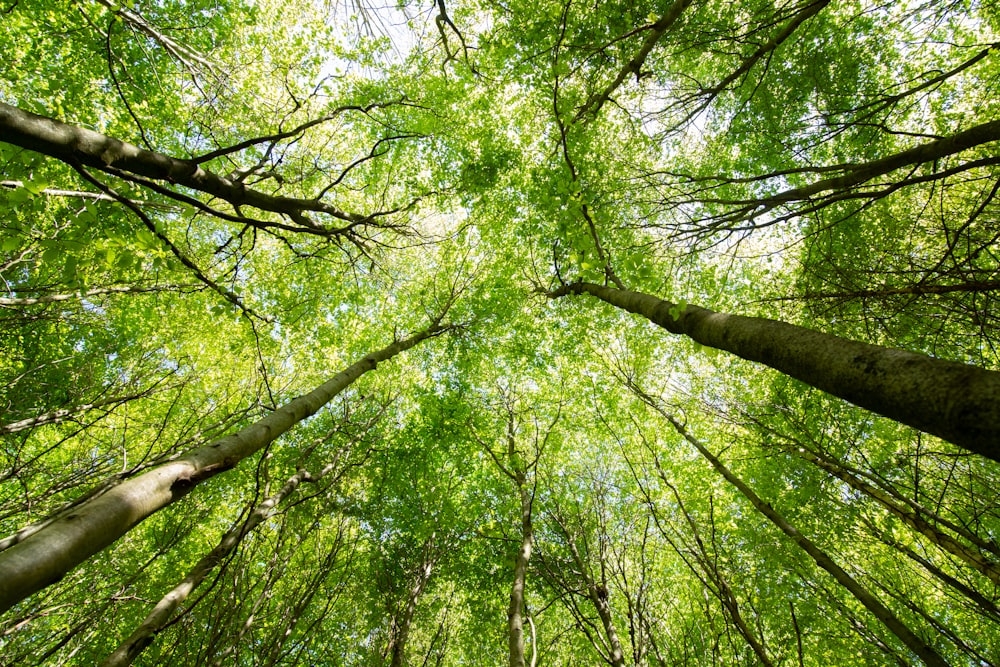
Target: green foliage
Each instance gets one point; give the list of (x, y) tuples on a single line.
[(477, 163)]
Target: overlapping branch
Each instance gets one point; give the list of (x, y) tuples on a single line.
[(635, 65), (80, 146), (844, 182), (189, 58), (704, 96)]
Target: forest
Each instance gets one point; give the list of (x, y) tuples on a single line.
[(496, 332)]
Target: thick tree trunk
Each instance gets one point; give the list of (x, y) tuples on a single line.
[(957, 402), (44, 557), (515, 612), (860, 593)]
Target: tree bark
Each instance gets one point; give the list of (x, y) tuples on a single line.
[(598, 595), (515, 612), (711, 572), (634, 67), (519, 469), (44, 557), (954, 401), (79, 146), (57, 416), (914, 518), (98, 291), (403, 621)]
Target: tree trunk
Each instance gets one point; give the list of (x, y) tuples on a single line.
[(710, 569), (403, 621), (953, 401), (44, 557), (598, 594), (920, 648), (130, 649), (515, 612), (914, 518), (80, 146)]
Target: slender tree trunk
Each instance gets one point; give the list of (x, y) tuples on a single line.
[(983, 605), (57, 416), (97, 291), (712, 573), (519, 469), (912, 290), (856, 174), (634, 67), (954, 401), (164, 610), (597, 593), (402, 622), (45, 556), (515, 612), (913, 518), (920, 648)]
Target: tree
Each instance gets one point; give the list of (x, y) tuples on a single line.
[(950, 400), (43, 553), (520, 464), (210, 210)]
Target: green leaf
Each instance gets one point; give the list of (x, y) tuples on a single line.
[(125, 260), (52, 254), (18, 196), (35, 187)]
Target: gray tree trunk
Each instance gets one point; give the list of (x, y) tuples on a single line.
[(43, 557), (954, 401), (597, 593), (80, 146), (402, 622), (129, 650), (515, 612)]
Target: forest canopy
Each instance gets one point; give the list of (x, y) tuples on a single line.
[(472, 332)]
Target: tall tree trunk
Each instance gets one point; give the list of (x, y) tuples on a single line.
[(914, 518), (44, 557), (920, 648), (710, 570), (79, 146), (981, 604), (518, 467), (597, 593), (515, 612), (954, 401), (402, 622)]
